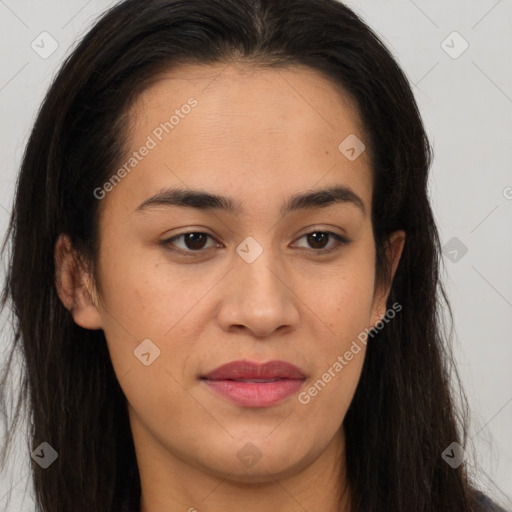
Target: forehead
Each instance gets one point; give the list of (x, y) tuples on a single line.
[(260, 132)]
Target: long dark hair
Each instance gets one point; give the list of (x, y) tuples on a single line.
[(403, 415)]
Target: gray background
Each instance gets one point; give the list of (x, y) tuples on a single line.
[(466, 104)]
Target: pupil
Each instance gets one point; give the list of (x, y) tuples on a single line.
[(192, 238), (315, 235)]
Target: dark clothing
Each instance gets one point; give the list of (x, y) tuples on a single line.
[(487, 505)]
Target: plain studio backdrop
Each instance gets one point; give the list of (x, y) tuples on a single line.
[(457, 56)]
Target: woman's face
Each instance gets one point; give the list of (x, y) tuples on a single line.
[(255, 282)]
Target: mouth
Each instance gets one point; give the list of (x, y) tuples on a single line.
[(254, 384)]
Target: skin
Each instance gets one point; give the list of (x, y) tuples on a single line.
[(258, 135)]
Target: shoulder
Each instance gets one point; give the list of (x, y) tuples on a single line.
[(485, 504)]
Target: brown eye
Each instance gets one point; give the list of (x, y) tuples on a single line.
[(318, 241), (193, 242)]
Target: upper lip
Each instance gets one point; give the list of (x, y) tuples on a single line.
[(243, 370)]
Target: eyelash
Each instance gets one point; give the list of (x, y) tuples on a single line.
[(340, 242)]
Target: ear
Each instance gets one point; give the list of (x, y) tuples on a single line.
[(394, 250), (75, 286)]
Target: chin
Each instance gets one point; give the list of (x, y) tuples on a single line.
[(257, 462)]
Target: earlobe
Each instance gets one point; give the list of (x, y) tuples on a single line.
[(74, 286)]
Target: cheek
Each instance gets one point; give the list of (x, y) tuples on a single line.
[(338, 356), (326, 398), (142, 298), (149, 293), (166, 408), (345, 310), (343, 302)]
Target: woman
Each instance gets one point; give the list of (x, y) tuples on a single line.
[(295, 362)]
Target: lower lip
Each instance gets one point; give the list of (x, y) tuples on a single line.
[(255, 394)]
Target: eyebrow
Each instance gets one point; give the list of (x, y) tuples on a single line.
[(202, 200)]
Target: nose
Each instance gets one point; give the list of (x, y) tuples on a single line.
[(258, 297)]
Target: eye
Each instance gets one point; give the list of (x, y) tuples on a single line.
[(318, 240), (194, 242)]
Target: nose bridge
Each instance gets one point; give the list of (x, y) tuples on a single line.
[(256, 271), (258, 297)]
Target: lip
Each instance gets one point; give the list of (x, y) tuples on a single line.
[(254, 384)]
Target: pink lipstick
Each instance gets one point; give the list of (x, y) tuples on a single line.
[(255, 384)]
